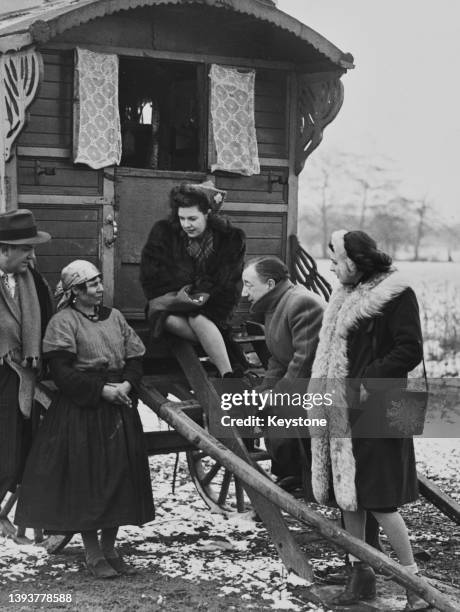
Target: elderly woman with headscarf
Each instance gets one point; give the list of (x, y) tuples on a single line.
[(87, 470), (191, 269), (371, 331)]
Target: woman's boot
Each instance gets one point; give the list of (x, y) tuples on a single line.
[(360, 585), (415, 602)]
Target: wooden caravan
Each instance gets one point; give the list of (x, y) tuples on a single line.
[(98, 186)]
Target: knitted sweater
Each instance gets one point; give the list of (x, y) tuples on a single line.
[(105, 344)]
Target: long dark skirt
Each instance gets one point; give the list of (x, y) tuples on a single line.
[(14, 432), (386, 474), (87, 470)]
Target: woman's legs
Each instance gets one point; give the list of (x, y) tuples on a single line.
[(392, 524), (108, 537), (212, 342), (179, 326), (355, 524), (203, 330), (395, 528), (361, 581), (90, 542), (95, 557)]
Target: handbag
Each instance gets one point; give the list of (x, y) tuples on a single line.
[(405, 409)]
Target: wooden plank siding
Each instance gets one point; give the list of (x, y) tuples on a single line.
[(68, 178), (271, 117), (265, 235), (256, 188), (75, 235), (50, 123)]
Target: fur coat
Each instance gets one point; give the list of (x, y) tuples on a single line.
[(384, 307), (166, 266)]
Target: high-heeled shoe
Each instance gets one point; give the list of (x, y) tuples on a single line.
[(360, 585), (415, 602)]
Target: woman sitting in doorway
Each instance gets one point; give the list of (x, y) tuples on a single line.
[(88, 470), (191, 270)]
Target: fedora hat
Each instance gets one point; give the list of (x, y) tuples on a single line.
[(19, 227)]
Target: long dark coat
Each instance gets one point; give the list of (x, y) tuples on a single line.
[(386, 346), (371, 333), (15, 429), (166, 266)]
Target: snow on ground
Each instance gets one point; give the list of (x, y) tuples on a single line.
[(185, 540), (439, 458)]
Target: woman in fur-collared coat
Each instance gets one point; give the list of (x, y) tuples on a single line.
[(191, 269), (371, 331)]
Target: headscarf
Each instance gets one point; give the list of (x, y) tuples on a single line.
[(77, 272), (338, 244)]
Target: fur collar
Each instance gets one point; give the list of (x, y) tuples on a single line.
[(332, 449), (349, 305)]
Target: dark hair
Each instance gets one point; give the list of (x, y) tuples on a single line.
[(269, 266), (81, 287), (185, 196), (362, 249), (84, 286)]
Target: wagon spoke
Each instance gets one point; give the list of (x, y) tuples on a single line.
[(239, 492), (214, 483), (209, 477), (225, 487), (198, 455)]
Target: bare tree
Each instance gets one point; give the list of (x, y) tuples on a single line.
[(374, 179), (420, 212), (343, 189), (319, 219), (324, 209)]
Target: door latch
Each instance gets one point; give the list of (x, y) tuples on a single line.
[(109, 241)]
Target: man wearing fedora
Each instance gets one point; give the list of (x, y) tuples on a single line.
[(25, 308)]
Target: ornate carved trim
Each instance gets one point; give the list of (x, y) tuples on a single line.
[(19, 79), (318, 105)]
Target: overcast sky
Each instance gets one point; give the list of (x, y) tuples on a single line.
[(402, 98)]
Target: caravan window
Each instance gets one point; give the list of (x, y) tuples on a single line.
[(160, 114)]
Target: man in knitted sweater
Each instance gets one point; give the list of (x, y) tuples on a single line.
[(292, 318), (25, 308)]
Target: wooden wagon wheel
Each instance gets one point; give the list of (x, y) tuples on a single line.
[(220, 489)]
